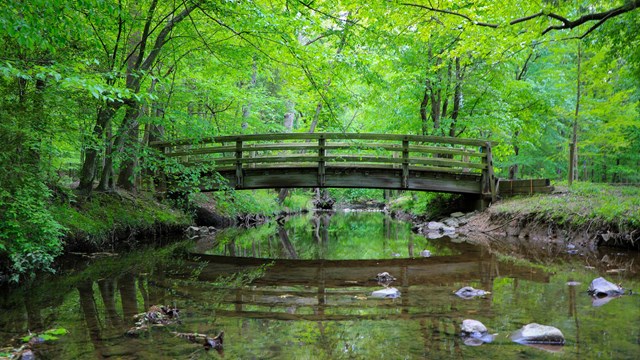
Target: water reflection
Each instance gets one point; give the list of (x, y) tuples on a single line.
[(302, 289), (324, 235)]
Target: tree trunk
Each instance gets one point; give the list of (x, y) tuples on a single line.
[(89, 166), (457, 97), (423, 110), (573, 152)]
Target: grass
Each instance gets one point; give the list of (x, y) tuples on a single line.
[(580, 205)]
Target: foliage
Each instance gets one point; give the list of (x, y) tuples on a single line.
[(232, 203), (426, 204), (29, 233), (351, 196), (298, 201), (48, 335)]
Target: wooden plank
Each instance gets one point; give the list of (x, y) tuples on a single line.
[(447, 163), (535, 190), (405, 163), (492, 183), (525, 182), (239, 178), (313, 147), (321, 161)]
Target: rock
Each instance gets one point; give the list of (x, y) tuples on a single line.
[(448, 229), (468, 292), (457, 215), (388, 293), (425, 253), (434, 235), (27, 354), (538, 334), (434, 225), (602, 288), (385, 279), (452, 223), (473, 327)]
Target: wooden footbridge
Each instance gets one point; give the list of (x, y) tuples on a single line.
[(342, 160)]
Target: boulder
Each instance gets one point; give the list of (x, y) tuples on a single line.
[(434, 225), (434, 235), (538, 334), (388, 293), (602, 288)]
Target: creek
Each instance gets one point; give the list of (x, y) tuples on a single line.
[(301, 289)]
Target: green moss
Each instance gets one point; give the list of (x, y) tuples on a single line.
[(97, 219)]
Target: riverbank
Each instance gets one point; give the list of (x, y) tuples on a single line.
[(114, 220), (583, 215)]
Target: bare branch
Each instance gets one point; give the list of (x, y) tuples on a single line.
[(526, 18)]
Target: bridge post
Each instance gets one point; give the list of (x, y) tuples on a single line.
[(491, 176), (239, 176), (321, 161), (405, 163)]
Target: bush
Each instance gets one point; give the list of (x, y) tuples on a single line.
[(30, 238), (351, 196)]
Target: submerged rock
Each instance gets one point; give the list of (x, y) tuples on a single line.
[(425, 253), (468, 292), (434, 225), (388, 293), (385, 279), (474, 333), (538, 334), (208, 342), (602, 288)]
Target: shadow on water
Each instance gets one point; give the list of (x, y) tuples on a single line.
[(301, 289)]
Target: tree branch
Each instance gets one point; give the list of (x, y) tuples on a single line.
[(600, 17), (452, 13)]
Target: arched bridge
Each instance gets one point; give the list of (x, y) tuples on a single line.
[(343, 160)]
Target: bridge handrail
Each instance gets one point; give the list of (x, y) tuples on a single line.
[(316, 136)]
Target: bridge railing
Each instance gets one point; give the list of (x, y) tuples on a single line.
[(324, 150)]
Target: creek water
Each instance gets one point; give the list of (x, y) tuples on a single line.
[(302, 289)]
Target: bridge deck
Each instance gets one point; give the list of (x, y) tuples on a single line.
[(383, 161)]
